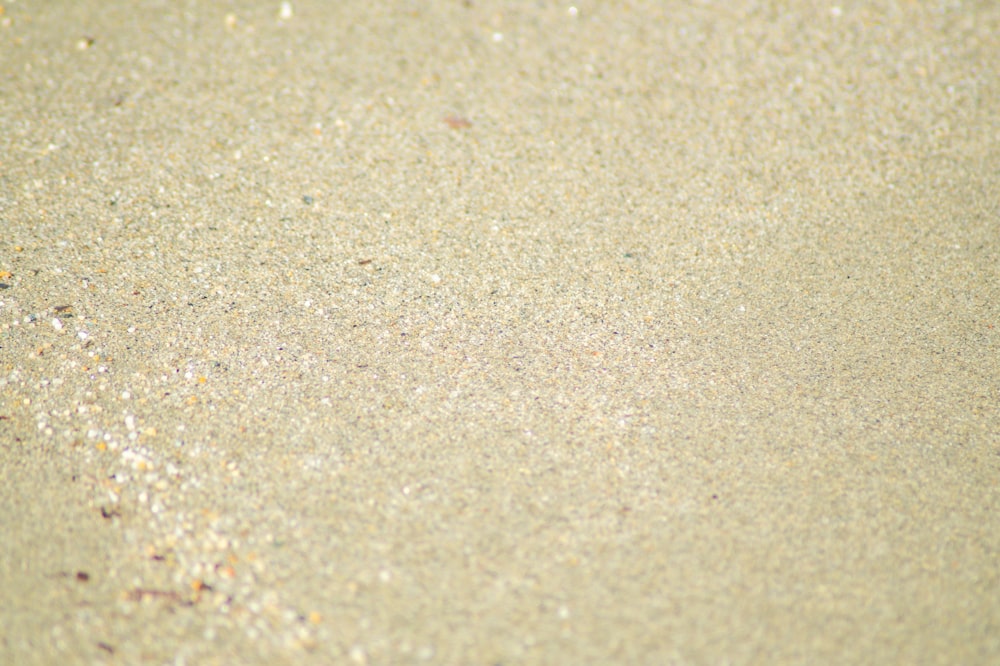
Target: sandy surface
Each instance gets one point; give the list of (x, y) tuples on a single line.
[(476, 333)]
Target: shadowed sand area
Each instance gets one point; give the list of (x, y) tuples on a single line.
[(499, 333)]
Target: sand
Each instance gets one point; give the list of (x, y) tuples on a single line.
[(499, 333)]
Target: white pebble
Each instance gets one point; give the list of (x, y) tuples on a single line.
[(357, 655), (56, 324)]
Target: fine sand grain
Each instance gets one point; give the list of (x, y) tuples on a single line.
[(499, 333)]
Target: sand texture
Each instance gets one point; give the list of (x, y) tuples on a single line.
[(499, 333)]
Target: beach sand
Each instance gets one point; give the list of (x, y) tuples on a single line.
[(499, 333)]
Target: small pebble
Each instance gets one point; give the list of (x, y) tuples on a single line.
[(358, 655)]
